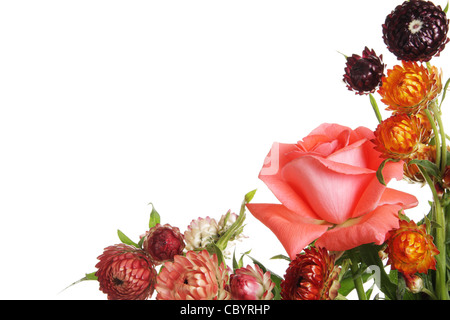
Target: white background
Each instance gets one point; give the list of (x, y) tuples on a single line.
[(106, 106)]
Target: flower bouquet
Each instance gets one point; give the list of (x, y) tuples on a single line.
[(339, 222)]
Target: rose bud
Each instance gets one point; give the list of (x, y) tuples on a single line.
[(251, 284), (162, 243)]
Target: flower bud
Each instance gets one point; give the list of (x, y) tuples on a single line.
[(363, 73), (162, 243), (251, 284), (414, 283)]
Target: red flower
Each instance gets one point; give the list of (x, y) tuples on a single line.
[(125, 273), (312, 275), (162, 243)]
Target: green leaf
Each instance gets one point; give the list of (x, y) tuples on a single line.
[(237, 227), (282, 257), (430, 167), (380, 170), (90, 276), (403, 216), (234, 261), (213, 249), (369, 255), (124, 239), (347, 283), (401, 287), (446, 8), (154, 217), (87, 277), (273, 276)]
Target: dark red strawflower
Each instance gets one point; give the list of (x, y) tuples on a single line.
[(363, 73), (162, 243), (125, 273), (416, 30), (312, 275)]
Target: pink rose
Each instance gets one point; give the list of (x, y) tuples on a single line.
[(329, 191)]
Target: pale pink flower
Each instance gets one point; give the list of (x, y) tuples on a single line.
[(251, 284), (196, 276), (200, 233)]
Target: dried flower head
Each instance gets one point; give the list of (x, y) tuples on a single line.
[(251, 284), (363, 73), (416, 30), (410, 87), (196, 276), (398, 137), (312, 275), (410, 249), (163, 242), (125, 273)]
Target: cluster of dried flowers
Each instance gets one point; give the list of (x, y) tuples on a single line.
[(192, 265), (414, 32)]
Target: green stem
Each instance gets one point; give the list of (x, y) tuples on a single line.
[(429, 293), (441, 263), (374, 104), (436, 137), (357, 280), (443, 141)]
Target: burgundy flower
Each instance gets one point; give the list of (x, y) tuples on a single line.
[(162, 243), (416, 30), (312, 275), (125, 273), (363, 73)]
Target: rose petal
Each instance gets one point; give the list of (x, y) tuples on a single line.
[(392, 196), (331, 189), (371, 195), (293, 231), (271, 175), (372, 227)]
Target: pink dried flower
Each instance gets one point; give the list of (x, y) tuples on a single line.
[(125, 273), (251, 284), (196, 276), (200, 233)]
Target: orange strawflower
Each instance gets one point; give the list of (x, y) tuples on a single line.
[(426, 130), (410, 249), (410, 87), (398, 137)]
